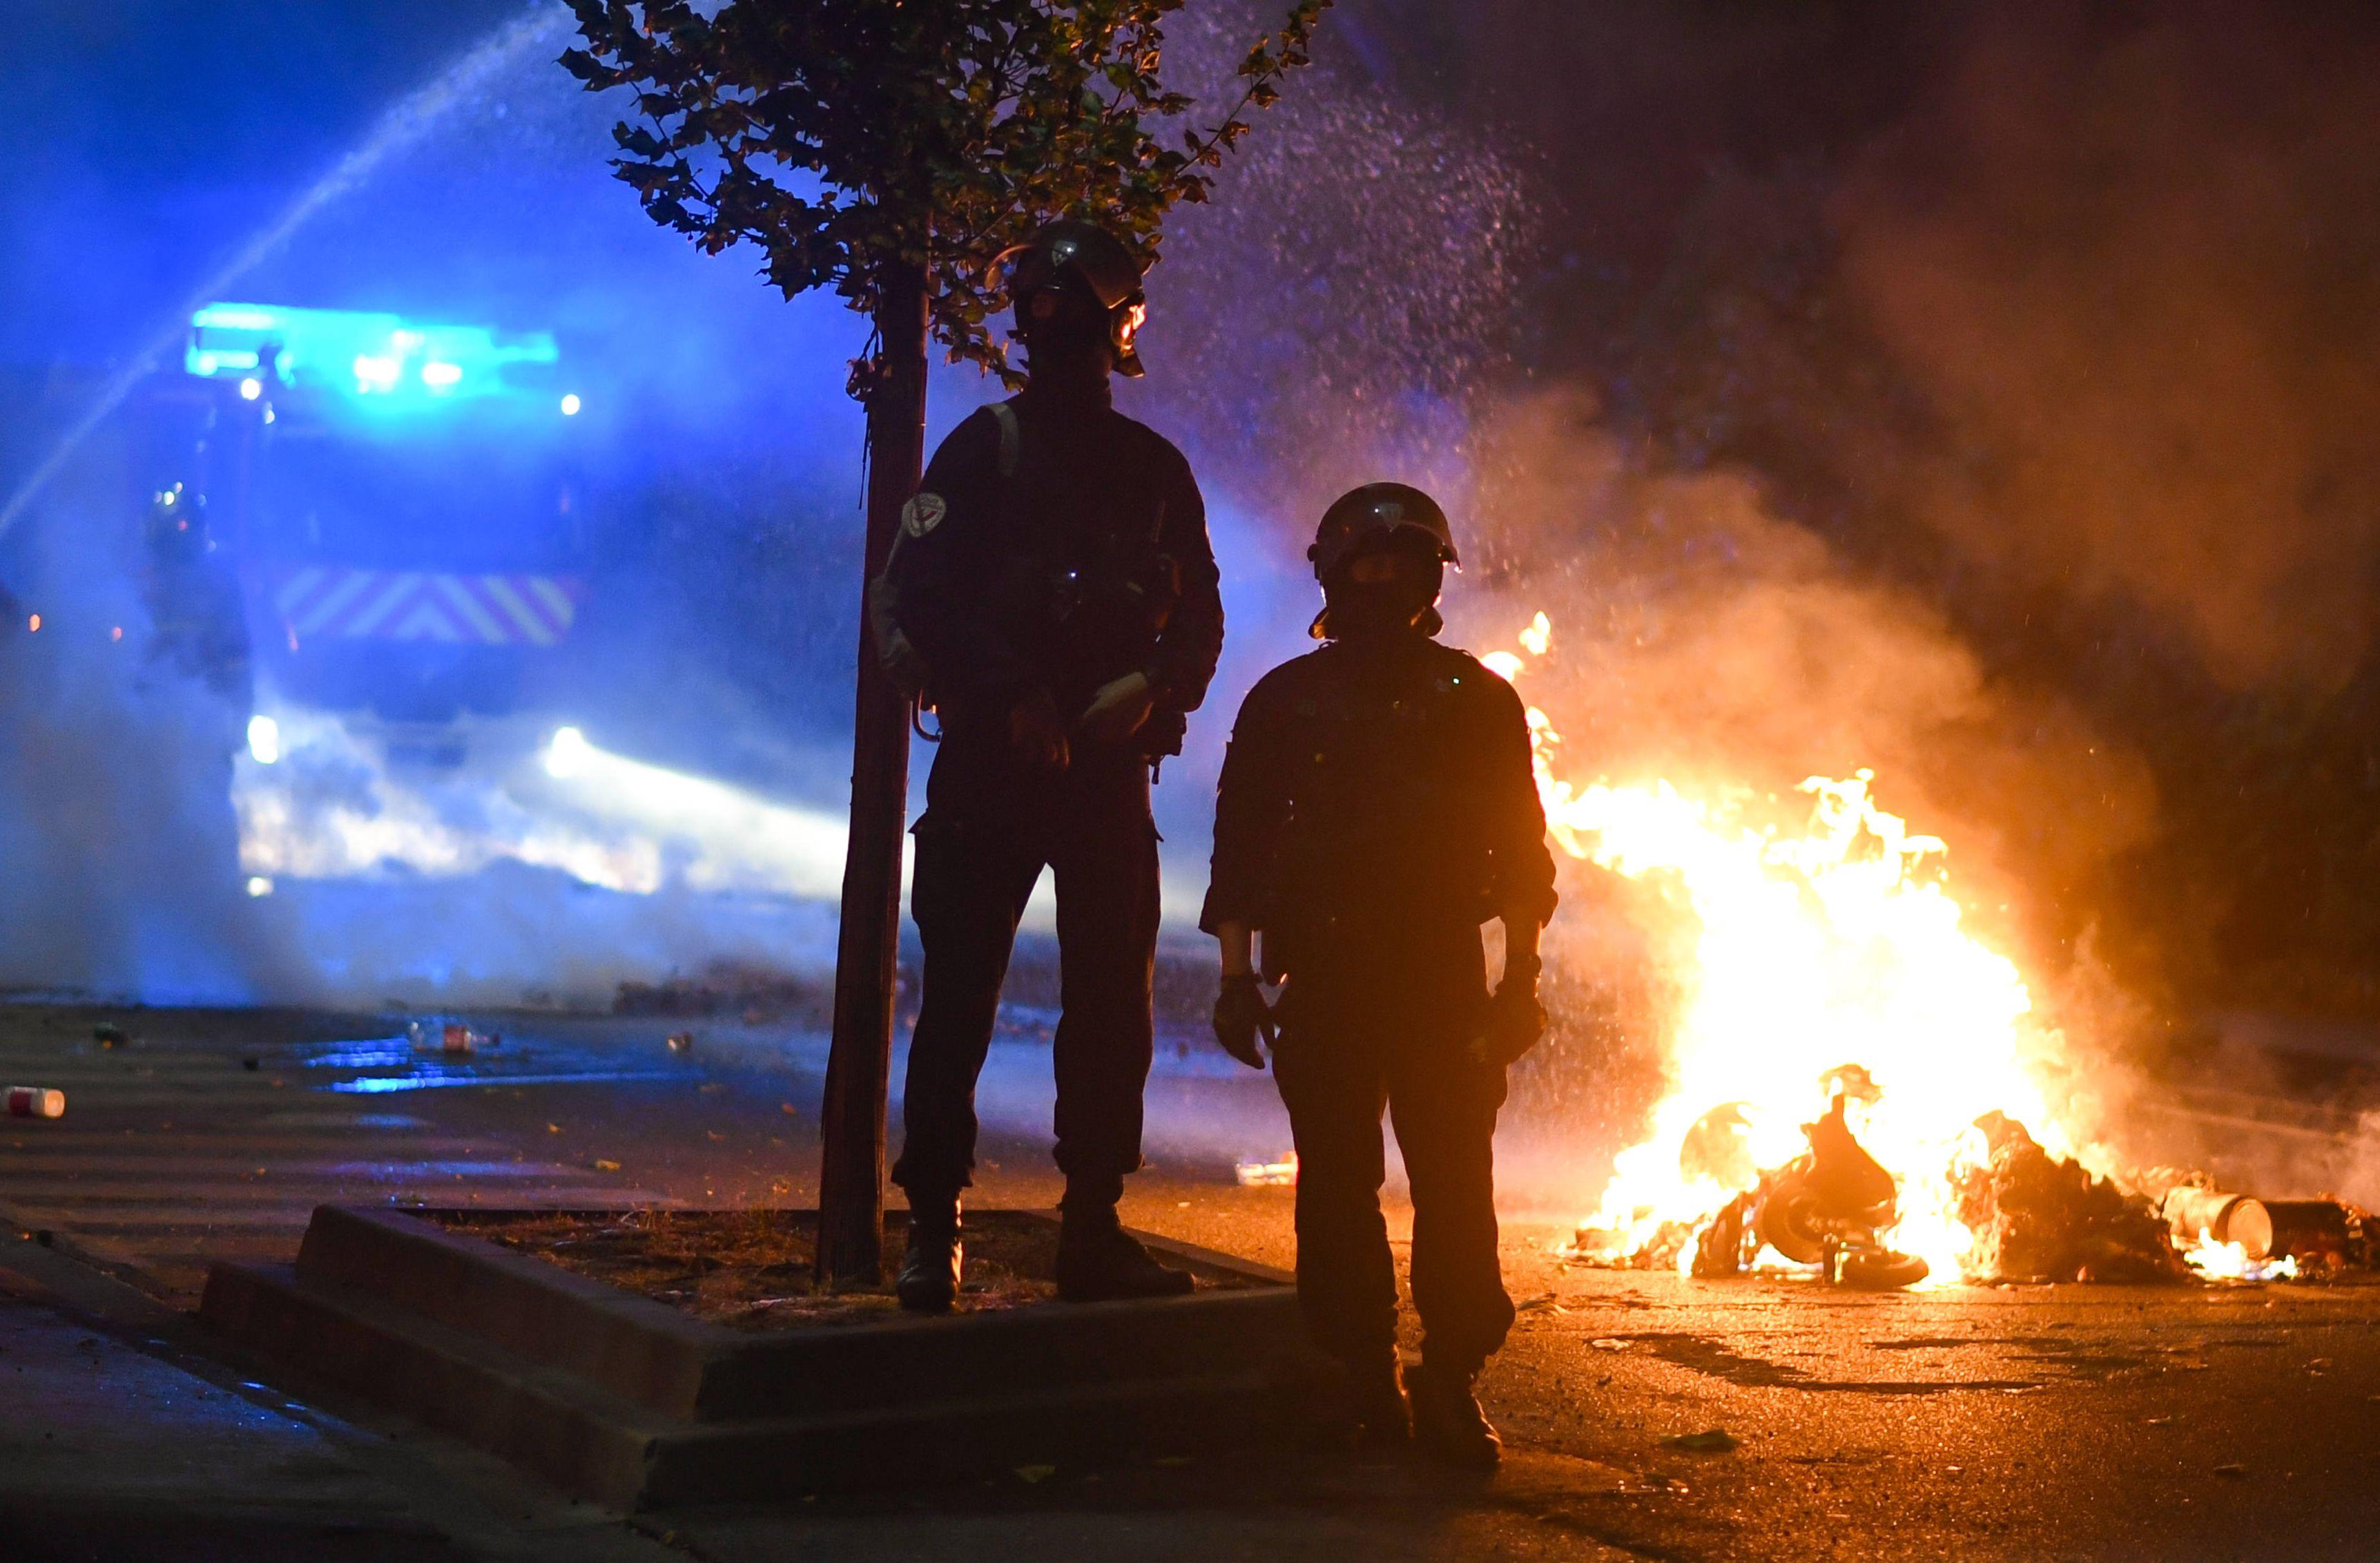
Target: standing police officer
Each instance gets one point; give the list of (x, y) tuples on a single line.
[(1054, 592), (1377, 806)]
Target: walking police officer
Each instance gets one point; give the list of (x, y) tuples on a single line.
[(1053, 591), (1376, 807)]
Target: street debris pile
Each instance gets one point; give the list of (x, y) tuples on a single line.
[(2041, 1217), (2031, 1217), (1855, 1078), (755, 994), (2234, 1237)]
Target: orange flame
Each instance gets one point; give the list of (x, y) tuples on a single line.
[(1795, 955)]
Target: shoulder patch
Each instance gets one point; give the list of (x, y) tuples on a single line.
[(923, 514)]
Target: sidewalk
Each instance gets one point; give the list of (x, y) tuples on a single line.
[(127, 1433)]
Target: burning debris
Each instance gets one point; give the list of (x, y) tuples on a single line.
[(2041, 1217), (2233, 1236), (2031, 1217), (1933, 1154), (1825, 1208)]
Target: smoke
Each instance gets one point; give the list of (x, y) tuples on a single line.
[(1704, 637), (123, 874), (2055, 316), (2120, 265), (1980, 395), (1701, 639), (1326, 320)]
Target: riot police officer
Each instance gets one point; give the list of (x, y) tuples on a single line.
[(1055, 593), (1376, 807), (199, 626)]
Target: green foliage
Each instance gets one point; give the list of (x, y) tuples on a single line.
[(845, 137)]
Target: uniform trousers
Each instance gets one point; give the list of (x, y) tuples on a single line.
[(1342, 1056), (992, 823)]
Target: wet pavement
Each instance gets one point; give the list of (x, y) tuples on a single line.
[(2019, 1423), (127, 1432)]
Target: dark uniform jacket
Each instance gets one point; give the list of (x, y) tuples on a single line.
[(1376, 806), (1087, 561)]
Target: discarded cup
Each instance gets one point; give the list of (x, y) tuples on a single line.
[(36, 1102)]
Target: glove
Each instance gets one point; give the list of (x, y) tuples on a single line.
[(1118, 710), (1515, 1022), (1241, 1016)]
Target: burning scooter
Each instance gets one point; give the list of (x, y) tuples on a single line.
[(1825, 1207)]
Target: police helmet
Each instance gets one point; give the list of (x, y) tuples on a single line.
[(1085, 255), (1379, 510)]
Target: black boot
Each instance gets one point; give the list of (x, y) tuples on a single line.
[(929, 1267), (1447, 1421), (1374, 1405), (1099, 1260)]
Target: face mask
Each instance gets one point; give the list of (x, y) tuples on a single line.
[(1065, 330), (1357, 610), (1369, 610)]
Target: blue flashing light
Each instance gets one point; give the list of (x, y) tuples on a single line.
[(570, 405), (237, 317), (250, 388), (375, 372), (384, 362)]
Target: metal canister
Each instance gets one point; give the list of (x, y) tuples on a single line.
[(2226, 1218), (2307, 1228)]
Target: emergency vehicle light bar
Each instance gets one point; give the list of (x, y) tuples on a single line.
[(373, 358)]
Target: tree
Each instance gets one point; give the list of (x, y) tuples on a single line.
[(891, 150)]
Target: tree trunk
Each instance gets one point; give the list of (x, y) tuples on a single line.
[(851, 1171)]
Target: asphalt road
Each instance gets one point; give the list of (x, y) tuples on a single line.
[(2021, 1423)]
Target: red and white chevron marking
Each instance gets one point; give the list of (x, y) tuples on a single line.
[(326, 602)]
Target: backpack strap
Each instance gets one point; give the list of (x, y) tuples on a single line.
[(899, 656)]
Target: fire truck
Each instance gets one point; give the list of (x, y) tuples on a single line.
[(404, 506)]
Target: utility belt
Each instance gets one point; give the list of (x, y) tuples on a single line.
[(1311, 937), (985, 723)]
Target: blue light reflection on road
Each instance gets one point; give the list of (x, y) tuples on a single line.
[(393, 1065), (433, 1079), (380, 1054)]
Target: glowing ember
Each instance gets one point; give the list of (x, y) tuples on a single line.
[(1796, 956)]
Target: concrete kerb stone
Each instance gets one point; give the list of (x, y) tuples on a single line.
[(644, 1350), (634, 1403)]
